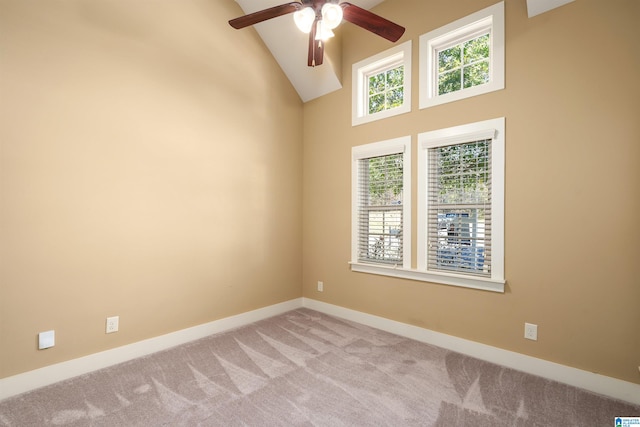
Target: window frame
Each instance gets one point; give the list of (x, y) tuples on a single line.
[(397, 55), (458, 135), (401, 145), (489, 19)]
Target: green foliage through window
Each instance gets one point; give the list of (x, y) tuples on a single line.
[(385, 179), (380, 210), (386, 90), (464, 65), (463, 173)]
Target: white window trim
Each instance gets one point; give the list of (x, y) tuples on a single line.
[(492, 18), (383, 148), (460, 134), (397, 55)]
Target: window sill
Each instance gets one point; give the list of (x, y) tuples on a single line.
[(368, 118), (424, 276)]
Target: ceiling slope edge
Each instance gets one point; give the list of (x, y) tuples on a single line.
[(289, 47), (536, 7)]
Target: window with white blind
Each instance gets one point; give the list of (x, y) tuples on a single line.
[(381, 192), (459, 208), (461, 204)]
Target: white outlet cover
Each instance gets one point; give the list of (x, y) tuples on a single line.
[(112, 324), (531, 331), (46, 339)]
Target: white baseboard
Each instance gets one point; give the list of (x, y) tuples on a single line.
[(617, 389), (600, 384), (37, 378)]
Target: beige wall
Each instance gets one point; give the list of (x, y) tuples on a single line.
[(150, 168), (572, 107)]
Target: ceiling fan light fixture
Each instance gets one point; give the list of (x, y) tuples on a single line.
[(323, 32), (331, 15), (318, 18), (304, 19)]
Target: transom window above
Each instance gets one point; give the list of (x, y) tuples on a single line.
[(463, 59), (382, 85)]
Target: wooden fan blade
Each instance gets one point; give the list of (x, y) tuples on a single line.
[(371, 22), (263, 15)]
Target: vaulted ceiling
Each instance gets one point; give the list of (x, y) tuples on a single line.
[(289, 46)]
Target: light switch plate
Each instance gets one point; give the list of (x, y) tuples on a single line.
[(46, 339)]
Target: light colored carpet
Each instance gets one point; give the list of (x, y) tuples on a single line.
[(304, 368)]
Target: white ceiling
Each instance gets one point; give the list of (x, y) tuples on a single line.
[(536, 7), (289, 46)]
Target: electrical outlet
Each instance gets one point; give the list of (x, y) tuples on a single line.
[(112, 324), (320, 287), (531, 331)]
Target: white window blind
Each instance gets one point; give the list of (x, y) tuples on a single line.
[(380, 209), (459, 208)]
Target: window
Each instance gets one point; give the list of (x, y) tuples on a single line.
[(463, 59), (464, 65), (381, 211), (461, 202), (459, 208), (382, 85), (460, 236)]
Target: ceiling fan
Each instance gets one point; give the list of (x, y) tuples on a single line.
[(319, 17)]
